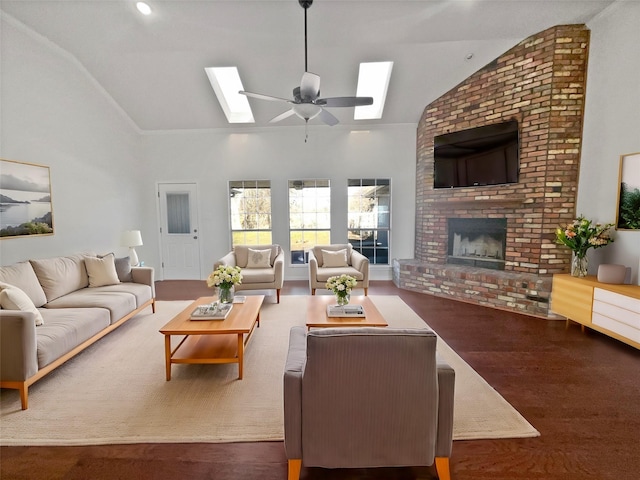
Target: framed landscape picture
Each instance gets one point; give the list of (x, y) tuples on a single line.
[(628, 214), (25, 200)]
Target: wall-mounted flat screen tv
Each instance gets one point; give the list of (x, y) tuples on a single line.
[(487, 155)]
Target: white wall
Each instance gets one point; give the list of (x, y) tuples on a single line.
[(54, 114), (612, 125), (104, 172), (211, 159)]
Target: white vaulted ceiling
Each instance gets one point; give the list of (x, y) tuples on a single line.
[(153, 67)]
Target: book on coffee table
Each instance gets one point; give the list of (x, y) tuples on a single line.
[(212, 311), (345, 311)]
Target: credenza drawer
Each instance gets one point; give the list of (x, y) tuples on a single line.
[(617, 313), (615, 326), (623, 301)]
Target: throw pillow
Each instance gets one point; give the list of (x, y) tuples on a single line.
[(259, 258), (334, 259), (101, 271), (12, 298), (123, 269)]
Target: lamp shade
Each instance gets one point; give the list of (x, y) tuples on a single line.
[(131, 238)]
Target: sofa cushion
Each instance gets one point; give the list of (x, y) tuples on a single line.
[(119, 304), (12, 298), (65, 329), (259, 258), (141, 292), (317, 251), (242, 253), (258, 275), (61, 275), (101, 270), (22, 276), (334, 259), (326, 272)]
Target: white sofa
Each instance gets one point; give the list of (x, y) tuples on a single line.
[(54, 308)]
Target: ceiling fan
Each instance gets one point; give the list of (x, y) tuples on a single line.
[(306, 102)]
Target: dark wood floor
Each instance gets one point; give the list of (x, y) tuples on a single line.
[(581, 391)]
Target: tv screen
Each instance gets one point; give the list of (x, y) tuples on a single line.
[(487, 155)]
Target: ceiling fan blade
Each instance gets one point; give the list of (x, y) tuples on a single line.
[(310, 86), (264, 97), (344, 101), (327, 118), (282, 116)]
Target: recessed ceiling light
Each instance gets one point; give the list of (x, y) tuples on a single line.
[(373, 81), (226, 83), (143, 8)]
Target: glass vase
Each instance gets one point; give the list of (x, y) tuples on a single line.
[(579, 265), (343, 300), (225, 294)]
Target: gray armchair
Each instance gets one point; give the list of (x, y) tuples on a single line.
[(367, 397), (257, 276), (325, 265)]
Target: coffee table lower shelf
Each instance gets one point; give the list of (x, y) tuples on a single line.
[(209, 349)]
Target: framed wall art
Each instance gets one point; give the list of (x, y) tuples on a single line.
[(25, 200), (628, 213)]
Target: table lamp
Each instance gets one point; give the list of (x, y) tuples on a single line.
[(132, 239)]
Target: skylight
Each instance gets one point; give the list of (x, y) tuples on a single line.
[(226, 83), (373, 81)]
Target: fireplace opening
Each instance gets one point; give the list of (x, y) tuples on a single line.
[(477, 242)]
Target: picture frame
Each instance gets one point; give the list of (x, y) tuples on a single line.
[(628, 211), (25, 200)]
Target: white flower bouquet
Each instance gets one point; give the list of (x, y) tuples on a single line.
[(225, 277), (341, 285)]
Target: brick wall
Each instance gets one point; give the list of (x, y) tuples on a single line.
[(541, 83)]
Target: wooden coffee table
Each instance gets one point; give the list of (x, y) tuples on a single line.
[(317, 313), (212, 341)]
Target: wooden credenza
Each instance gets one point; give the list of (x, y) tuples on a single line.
[(610, 309)]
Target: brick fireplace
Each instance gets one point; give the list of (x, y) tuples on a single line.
[(540, 83)]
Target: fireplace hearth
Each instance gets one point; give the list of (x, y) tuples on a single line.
[(477, 242)]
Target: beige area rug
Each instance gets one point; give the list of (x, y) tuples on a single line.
[(116, 392)]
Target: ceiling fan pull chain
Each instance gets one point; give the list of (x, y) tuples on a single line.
[(306, 130)]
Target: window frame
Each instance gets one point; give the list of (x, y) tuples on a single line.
[(260, 237), (379, 252), (300, 256)]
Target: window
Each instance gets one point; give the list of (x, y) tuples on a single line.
[(178, 213), (309, 217), (250, 210), (369, 218)]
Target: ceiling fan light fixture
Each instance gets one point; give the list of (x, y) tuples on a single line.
[(307, 111)]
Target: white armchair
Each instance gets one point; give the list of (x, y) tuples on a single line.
[(328, 260), (260, 271)]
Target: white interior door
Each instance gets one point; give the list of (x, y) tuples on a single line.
[(179, 238)]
